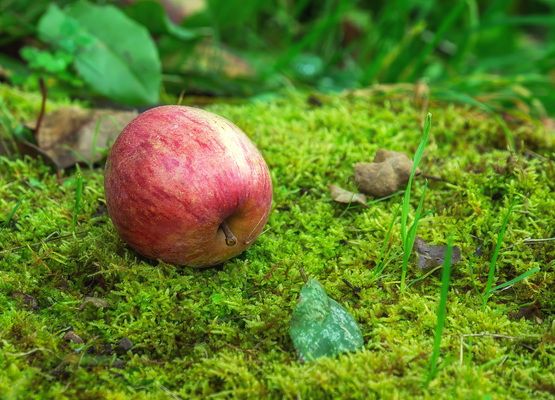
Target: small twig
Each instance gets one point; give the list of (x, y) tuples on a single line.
[(44, 241), (168, 392), (525, 241), (32, 351), (434, 178), (202, 347), (303, 275), (530, 241), (234, 318), (42, 108)]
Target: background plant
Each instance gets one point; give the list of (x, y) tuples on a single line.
[(499, 53)]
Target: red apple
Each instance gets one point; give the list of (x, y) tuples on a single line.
[(187, 186)]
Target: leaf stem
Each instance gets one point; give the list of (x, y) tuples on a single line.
[(230, 238)]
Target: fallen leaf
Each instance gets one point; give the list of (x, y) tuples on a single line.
[(73, 337), (430, 256), (27, 300), (314, 101), (389, 172), (344, 196), (95, 301), (531, 312), (320, 327), (67, 135)]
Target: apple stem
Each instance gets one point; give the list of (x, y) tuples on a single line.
[(230, 238)]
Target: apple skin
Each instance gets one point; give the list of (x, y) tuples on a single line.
[(172, 177)]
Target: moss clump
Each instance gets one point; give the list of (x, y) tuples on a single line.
[(223, 332)]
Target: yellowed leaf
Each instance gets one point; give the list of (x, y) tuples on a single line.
[(344, 196)]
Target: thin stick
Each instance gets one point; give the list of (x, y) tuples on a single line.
[(44, 241), (303, 275), (42, 108)]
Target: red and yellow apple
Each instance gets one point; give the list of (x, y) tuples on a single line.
[(187, 186)]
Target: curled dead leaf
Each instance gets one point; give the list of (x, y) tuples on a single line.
[(73, 337), (67, 135), (389, 172), (344, 196), (430, 256), (95, 301)]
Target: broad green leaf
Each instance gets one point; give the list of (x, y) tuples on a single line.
[(112, 53), (320, 327)]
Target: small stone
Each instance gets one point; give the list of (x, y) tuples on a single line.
[(320, 327), (125, 344), (430, 256)]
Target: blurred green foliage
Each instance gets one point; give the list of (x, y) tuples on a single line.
[(500, 53)]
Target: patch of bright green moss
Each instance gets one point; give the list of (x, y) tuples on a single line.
[(223, 332)]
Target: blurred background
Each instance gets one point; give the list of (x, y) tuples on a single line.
[(497, 54)]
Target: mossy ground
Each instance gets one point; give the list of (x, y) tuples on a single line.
[(223, 332)]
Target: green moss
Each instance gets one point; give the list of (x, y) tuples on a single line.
[(223, 332)]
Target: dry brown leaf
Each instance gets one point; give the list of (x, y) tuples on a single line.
[(73, 128), (344, 196), (27, 300), (531, 312), (430, 256), (73, 337), (389, 172)]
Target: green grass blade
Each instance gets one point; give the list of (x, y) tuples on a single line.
[(452, 95), (386, 240), (446, 24), (467, 42), (76, 154), (472, 279), (423, 277), (514, 307), (378, 271), (400, 192), (13, 212), (319, 30), (408, 243), (536, 19), (78, 193), (417, 157), (517, 279), (495, 255), (442, 310)]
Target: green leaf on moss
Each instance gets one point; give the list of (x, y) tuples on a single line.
[(112, 53), (320, 327)]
